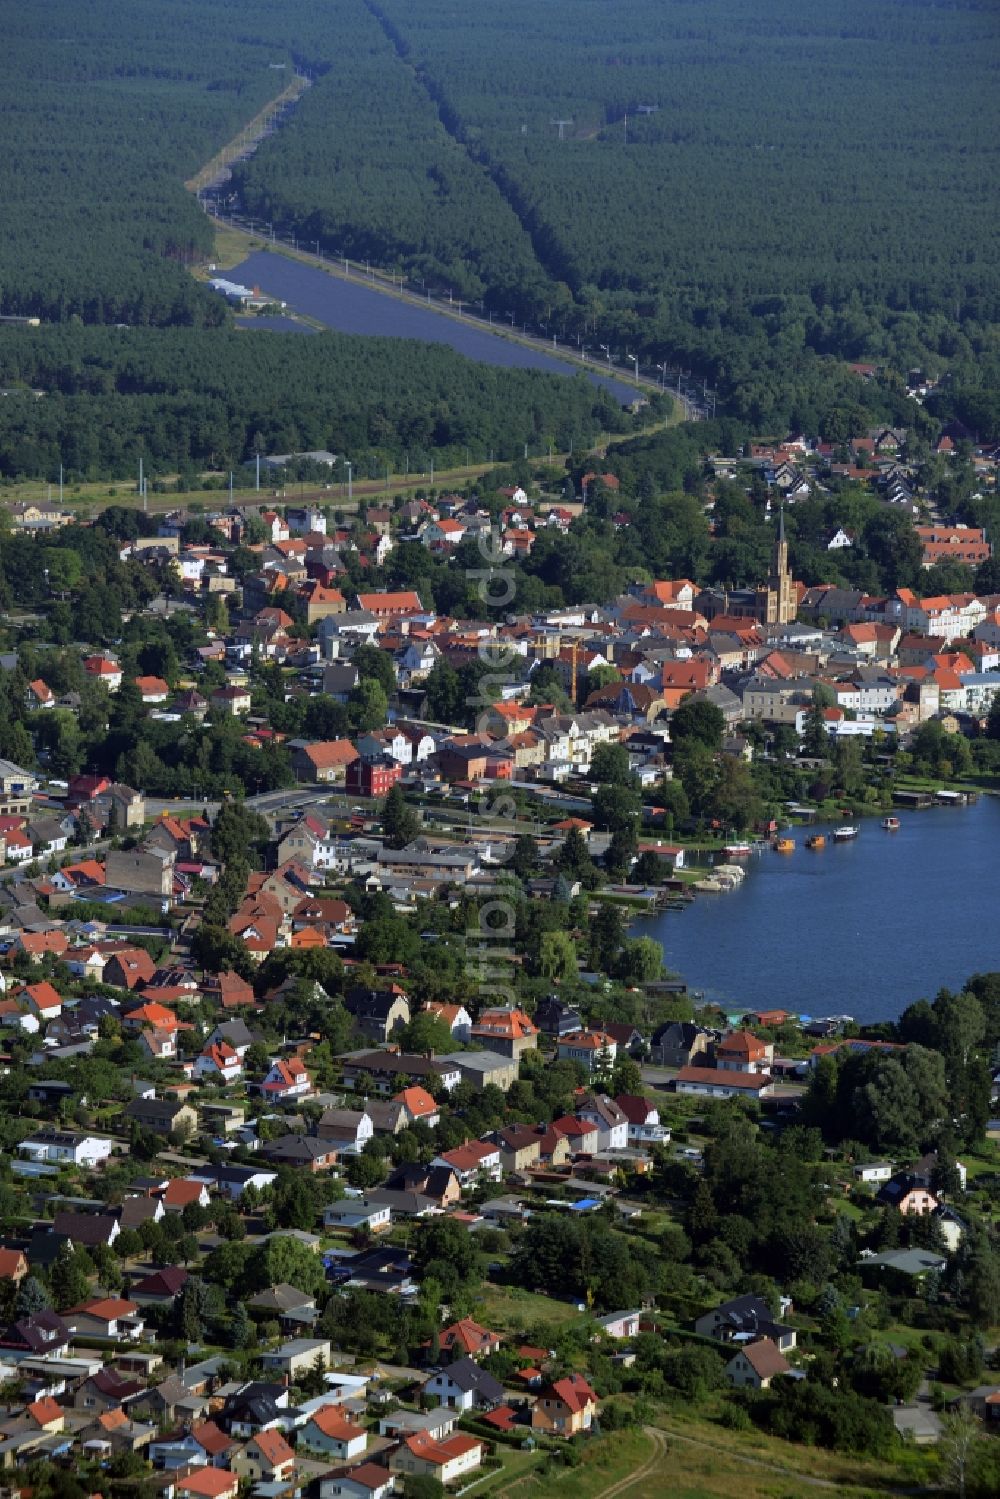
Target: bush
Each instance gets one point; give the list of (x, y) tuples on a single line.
[(735, 1418)]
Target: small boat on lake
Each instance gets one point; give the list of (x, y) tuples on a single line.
[(818, 840), (842, 835), (891, 824), (784, 845), (737, 851)]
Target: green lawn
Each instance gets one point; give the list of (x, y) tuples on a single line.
[(606, 1461), (505, 1309)]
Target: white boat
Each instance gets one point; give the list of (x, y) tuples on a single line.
[(737, 851), (843, 835)]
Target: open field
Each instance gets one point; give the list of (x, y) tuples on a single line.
[(692, 1459), (507, 1309)]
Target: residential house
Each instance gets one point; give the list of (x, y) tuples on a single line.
[(473, 1162), (610, 1120), (41, 1335), (207, 1483), (13, 1265), (63, 1147), (332, 1432), (519, 1146), (265, 1458), (299, 1356), (160, 1288), (416, 1103), (232, 1181), (553, 1018), (129, 968), (231, 701), (756, 1364), (741, 1051), (456, 1018), (219, 1063), (873, 1173), (908, 1193), (141, 871), (254, 1407), (110, 1319), (286, 1080), (358, 1214), (378, 1013), (744, 1318), (384, 1069), (348, 1129), (182, 1192), (484, 1068), (644, 1127), (446, 1459), (564, 1407), (712, 1082), (467, 1338), (163, 1116), (620, 1325), (464, 1386), (508, 1031), (594, 1048), (367, 1481), (324, 761), (85, 1230)]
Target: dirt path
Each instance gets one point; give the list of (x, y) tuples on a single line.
[(659, 1452)]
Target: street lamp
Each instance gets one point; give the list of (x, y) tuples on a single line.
[(606, 349), (663, 375), (350, 490)]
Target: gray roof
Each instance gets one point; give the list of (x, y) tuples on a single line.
[(906, 1261), (467, 1375), (477, 1061)]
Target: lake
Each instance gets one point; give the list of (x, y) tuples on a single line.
[(861, 928), (352, 307)]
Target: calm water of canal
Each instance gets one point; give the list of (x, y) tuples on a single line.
[(858, 928), (350, 307)]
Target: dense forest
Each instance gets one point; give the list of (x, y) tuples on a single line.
[(786, 185), (789, 191), (191, 399)]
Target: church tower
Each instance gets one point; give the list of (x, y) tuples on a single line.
[(780, 609)]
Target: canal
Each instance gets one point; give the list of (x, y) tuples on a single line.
[(861, 928), (351, 307)]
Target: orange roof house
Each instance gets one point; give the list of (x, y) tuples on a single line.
[(151, 1014), (564, 1407), (180, 1193), (37, 944), (744, 1052), (418, 1103), (388, 605), (508, 1031), (468, 1337), (13, 1265), (208, 1483), (41, 999), (46, 1413), (266, 1455), (129, 968)]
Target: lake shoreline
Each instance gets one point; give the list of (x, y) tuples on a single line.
[(830, 931)]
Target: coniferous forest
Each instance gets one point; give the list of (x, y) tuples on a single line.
[(757, 191)]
